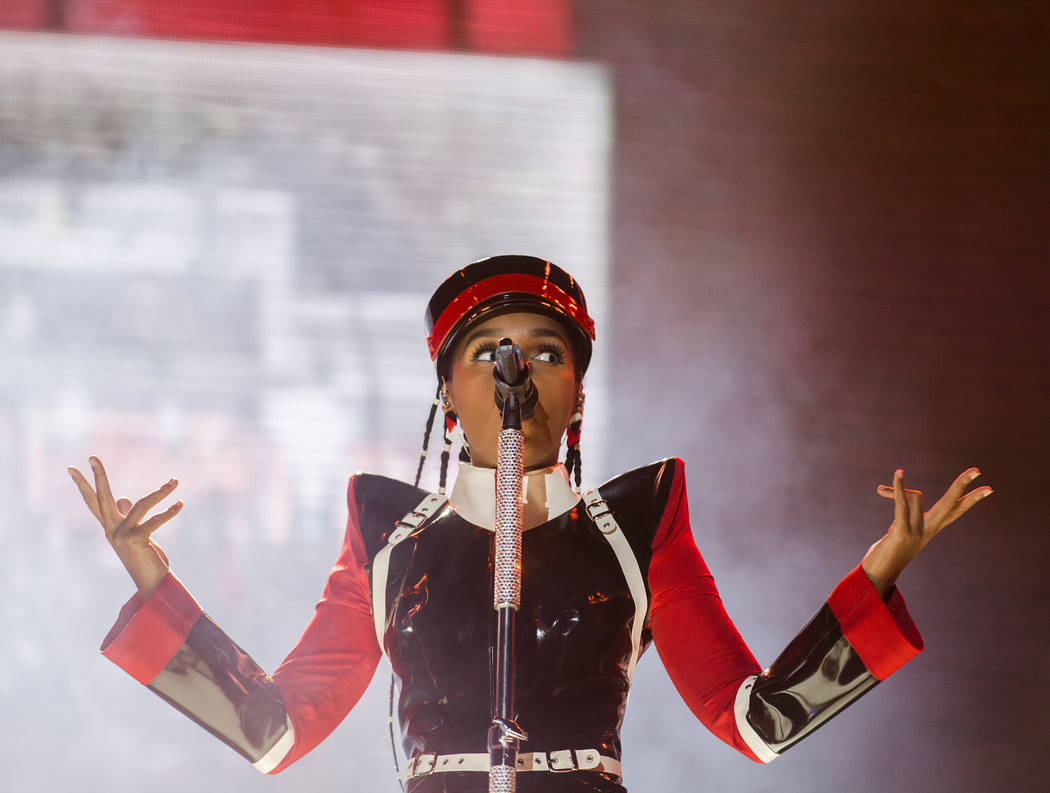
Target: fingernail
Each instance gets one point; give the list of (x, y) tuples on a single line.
[(974, 474), (898, 474)]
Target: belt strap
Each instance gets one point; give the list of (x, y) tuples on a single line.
[(561, 761), (600, 512), (424, 511)]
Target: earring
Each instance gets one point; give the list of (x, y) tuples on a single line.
[(450, 424), (572, 439)]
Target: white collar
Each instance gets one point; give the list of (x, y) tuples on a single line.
[(473, 495)]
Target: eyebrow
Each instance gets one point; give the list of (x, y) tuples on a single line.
[(535, 333)]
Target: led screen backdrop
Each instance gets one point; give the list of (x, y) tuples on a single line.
[(215, 264)]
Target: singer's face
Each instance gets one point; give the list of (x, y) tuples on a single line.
[(544, 343)]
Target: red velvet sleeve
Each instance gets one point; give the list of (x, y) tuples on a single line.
[(148, 632), (705, 656), (703, 653), (332, 664)]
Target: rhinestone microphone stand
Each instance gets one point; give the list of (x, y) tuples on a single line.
[(516, 397)]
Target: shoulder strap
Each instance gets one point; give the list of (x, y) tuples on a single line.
[(598, 509), (424, 511)]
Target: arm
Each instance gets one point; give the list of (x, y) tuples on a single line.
[(166, 642), (855, 640)]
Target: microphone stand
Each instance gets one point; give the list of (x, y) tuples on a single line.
[(516, 397)]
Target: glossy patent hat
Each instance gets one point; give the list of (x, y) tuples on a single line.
[(506, 283)]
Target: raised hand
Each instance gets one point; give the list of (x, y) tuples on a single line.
[(912, 528), (122, 522)]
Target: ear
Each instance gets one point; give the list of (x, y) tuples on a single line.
[(446, 398)]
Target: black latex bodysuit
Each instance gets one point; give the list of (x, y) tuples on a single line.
[(572, 645)]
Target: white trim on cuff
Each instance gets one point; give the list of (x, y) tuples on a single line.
[(269, 761), (747, 732)]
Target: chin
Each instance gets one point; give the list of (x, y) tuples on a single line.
[(539, 462)]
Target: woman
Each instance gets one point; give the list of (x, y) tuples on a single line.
[(603, 576)]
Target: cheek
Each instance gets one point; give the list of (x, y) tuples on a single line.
[(560, 405), (472, 398)]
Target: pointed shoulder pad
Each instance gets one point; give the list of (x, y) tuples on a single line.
[(639, 496), (376, 503), (650, 482)]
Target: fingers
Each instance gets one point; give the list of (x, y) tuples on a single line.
[(900, 503), (916, 515), (886, 491), (970, 499), (107, 506), (87, 492), (144, 504), (944, 511), (961, 505), (948, 508), (159, 520), (120, 518), (956, 488), (907, 506)]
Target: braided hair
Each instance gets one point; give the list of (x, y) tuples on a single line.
[(572, 441), (426, 433), (449, 425)]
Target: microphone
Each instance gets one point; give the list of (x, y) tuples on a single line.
[(514, 386)]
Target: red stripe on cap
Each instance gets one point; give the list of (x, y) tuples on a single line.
[(478, 293)]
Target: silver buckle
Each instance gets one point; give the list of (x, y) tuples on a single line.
[(412, 520), (403, 527), (602, 516), (598, 509), (554, 761), (424, 757)]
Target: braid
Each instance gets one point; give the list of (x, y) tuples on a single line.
[(572, 440), (450, 424), (426, 433), (393, 744), (572, 465)]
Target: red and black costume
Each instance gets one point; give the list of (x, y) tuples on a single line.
[(577, 637)]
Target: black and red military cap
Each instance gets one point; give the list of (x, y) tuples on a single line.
[(506, 283)]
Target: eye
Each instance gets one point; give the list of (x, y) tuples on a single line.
[(549, 353), (484, 353)]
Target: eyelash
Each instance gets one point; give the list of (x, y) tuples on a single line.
[(555, 349)]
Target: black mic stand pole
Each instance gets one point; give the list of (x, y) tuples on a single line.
[(515, 399)]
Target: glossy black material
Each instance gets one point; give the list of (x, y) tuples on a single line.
[(573, 636), (815, 677), (219, 686)]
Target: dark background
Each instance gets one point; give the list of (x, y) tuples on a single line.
[(841, 210)]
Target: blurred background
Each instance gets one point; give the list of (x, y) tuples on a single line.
[(815, 237)]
